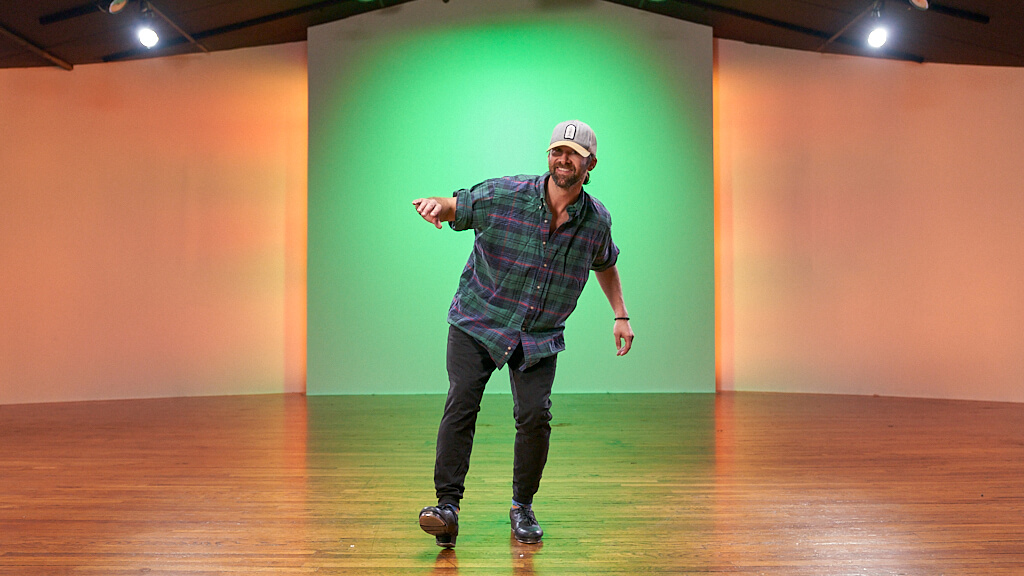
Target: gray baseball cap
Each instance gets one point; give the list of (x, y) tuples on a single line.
[(576, 135)]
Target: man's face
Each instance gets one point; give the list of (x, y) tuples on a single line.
[(567, 166)]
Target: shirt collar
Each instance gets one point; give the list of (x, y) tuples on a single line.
[(572, 209)]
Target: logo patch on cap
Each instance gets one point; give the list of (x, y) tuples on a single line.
[(570, 131)]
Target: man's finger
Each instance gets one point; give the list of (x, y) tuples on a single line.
[(623, 342)]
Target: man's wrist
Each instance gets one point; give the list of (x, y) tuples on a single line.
[(626, 318)]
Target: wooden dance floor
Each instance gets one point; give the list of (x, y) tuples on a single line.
[(745, 484)]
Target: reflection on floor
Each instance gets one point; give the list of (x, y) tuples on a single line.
[(740, 484)]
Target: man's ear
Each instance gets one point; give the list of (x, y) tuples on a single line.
[(593, 162)]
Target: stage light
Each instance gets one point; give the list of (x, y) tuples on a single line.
[(146, 33), (112, 6), (919, 4), (148, 36), (878, 37)]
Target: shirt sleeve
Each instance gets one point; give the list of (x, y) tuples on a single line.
[(606, 256), (472, 206)]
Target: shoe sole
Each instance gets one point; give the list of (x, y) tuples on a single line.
[(433, 525), (436, 527)]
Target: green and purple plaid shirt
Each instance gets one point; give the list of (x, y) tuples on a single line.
[(521, 282)]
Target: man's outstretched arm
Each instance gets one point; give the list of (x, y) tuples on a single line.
[(609, 280), (436, 210)]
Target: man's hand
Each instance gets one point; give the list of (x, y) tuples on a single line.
[(623, 337), (435, 210)]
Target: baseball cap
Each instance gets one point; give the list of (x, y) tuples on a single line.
[(576, 135)]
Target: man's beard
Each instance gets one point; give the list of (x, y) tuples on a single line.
[(568, 180)]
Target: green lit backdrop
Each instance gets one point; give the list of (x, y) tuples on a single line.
[(426, 98)]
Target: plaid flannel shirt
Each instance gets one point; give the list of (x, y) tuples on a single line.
[(521, 283)]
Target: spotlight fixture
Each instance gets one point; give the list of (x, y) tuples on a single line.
[(919, 4), (112, 6), (147, 35), (878, 35)]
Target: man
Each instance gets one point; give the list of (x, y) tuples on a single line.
[(537, 239)]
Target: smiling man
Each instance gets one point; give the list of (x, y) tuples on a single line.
[(537, 239)]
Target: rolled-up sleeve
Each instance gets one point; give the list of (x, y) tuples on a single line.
[(472, 206), (606, 256)]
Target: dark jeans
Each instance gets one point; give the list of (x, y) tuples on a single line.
[(469, 368)]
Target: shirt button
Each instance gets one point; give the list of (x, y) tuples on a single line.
[(545, 265), (531, 307), (538, 287), (509, 347)]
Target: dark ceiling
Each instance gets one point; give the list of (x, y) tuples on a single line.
[(67, 33)]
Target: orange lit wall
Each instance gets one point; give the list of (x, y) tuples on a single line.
[(152, 227), (870, 225)]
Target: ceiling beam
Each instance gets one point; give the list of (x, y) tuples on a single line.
[(70, 13), (24, 43), (842, 31), (180, 30), (958, 13)]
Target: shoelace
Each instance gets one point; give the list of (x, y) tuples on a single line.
[(527, 517)]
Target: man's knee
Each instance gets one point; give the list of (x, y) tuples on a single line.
[(461, 408), (533, 419)]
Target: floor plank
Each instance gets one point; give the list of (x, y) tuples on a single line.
[(743, 484)]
